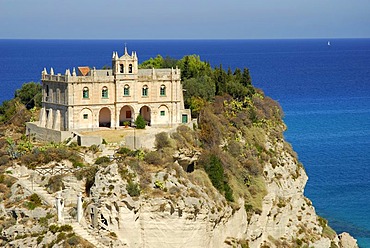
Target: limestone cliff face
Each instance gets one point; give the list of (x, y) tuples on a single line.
[(190, 219), (179, 209), (287, 216), (186, 214)]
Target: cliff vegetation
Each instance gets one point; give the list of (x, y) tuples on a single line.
[(230, 180)]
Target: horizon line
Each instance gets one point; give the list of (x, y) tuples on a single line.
[(184, 39)]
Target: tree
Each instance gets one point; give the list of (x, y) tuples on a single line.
[(169, 62), (192, 67), (30, 94), (157, 62), (220, 79), (140, 122), (203, 87), (196, 104), (238, 75), (246, 78), (215, 172)]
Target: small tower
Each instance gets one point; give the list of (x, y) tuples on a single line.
[(126, 64)]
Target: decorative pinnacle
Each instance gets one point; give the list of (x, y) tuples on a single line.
[(126, 48)]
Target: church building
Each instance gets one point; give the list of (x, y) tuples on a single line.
[(91, 99)]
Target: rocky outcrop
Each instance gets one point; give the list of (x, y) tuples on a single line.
[(183, 213), (347, 241), (179, 207), (192, 219), (287, 216)]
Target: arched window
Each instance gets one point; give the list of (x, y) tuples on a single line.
[(121, 68), (130, 68), (104, 92), (145, 90), (162, 90), (126, 90), (85, 92), (47, 93)]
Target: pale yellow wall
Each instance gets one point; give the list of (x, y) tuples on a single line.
[(66, 95)]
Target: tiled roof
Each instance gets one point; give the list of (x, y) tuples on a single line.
[(83, 70)]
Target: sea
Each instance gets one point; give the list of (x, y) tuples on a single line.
[(324, 91)]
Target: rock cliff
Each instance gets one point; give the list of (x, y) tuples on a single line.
[(182, 213), (231, 182)]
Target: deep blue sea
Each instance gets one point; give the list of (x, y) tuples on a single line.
[(324, 91)]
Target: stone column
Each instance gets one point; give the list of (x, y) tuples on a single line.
[(42, 117), (79, 207), (49, 121), (59, 203), (56, 124)]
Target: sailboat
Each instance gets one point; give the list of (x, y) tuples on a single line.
[(329, 43)]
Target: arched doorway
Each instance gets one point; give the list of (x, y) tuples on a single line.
[(163, 115), (104, 117), (126, 114), (145, 113)]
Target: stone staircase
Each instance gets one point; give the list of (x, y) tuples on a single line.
[(68, 219), (40, 191), (83, 233)]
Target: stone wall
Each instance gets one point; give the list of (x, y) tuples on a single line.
[(46, 134)]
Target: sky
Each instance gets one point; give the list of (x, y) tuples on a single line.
[(184, 19)]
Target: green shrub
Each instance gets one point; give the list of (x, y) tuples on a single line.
[(76, 160), (30, 94), (234, 148), (43, 221), (124, 151), (4, 160), (125, 173), (159, 185), (65, 228), (39, 239), (30, 205), (36, 199), (73, 241), (228, 192), (94, 148), (140, 122), (299, 242), (102, 160), (153, 157), (53, 228), (162, 140), (61, 236), (215, 172), (322, 221), (7, 180), (55, 183), (133, 189)]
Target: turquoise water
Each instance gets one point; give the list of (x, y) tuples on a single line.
[(324, 91)]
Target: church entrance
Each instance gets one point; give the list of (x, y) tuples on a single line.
[(145, 113), (126, 115), (104, 117)]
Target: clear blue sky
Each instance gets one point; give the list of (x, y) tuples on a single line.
[(184, 19)]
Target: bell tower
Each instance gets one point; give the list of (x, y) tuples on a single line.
[(126, 64)]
